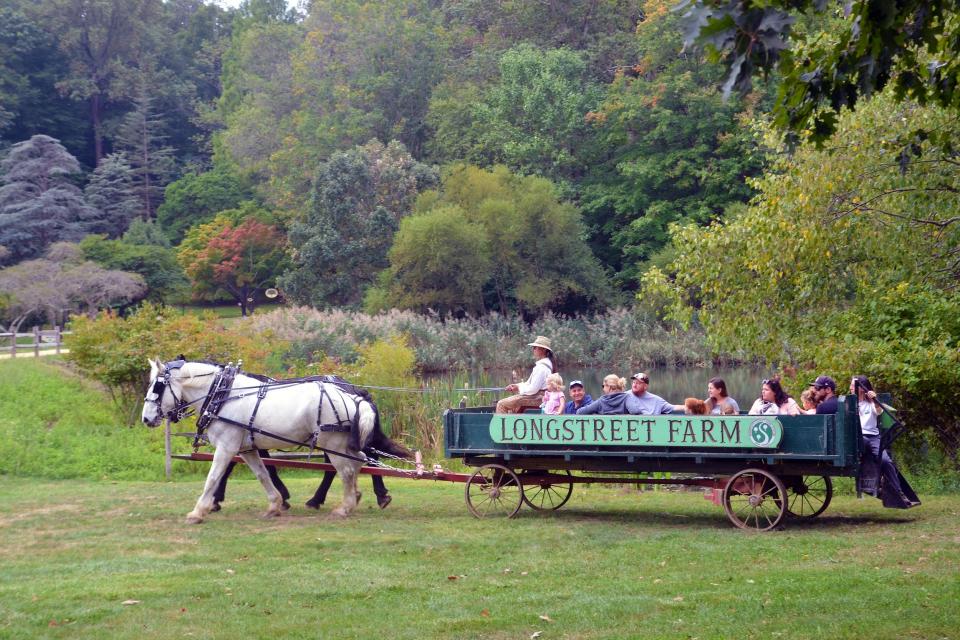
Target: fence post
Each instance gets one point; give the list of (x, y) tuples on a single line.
[(167, 448), (57, 337), (36, 341)]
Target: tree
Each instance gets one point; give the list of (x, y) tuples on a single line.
[(532, 119), (30, 66), (358, 199), (102, 39), (146, 233), (197, 198), (439, 261), (39, 204), (537, 258), (235, 253), (110, 193), (142, 138), (675, 151), (843, 263), (157, 265), (912, 44), (63, 281)]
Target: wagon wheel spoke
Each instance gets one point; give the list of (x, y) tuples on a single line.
[(755, 499), (548, 496), (494, 490), (809, 496)]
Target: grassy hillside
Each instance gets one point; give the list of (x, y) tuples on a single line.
[(54, 424)]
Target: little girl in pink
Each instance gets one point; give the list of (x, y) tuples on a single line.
[(553, 397)]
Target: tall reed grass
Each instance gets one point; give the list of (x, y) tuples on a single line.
[(493, 341)]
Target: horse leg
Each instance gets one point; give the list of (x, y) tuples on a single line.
[(221, 460), (348, 475), (252, 458)]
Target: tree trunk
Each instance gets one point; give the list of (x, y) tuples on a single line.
[(95, 111)]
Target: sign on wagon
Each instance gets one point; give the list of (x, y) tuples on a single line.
[(760, 432)]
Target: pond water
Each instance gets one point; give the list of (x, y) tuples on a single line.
[(671, 383)]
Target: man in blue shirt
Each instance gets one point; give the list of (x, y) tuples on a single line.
[(642, 402), (580, 397), (826, 389)]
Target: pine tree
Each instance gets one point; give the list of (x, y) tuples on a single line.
[(39, 204), (111, 196), (142, 139)]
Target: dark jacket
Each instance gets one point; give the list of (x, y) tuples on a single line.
[(569, 408), (610, 404)]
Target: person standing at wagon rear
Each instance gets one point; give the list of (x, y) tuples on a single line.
[(529, 394)]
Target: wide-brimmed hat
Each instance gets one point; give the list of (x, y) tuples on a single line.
[(541, 341)]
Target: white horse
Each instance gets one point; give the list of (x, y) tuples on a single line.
[(286, 413)]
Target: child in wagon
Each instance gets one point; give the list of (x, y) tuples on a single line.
[(553, 399)]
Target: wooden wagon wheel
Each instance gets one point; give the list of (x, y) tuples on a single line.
[(808, 496), (547, 494), (494, 490), (753, 499)]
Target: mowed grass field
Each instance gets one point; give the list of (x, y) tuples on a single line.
[(102, 559)]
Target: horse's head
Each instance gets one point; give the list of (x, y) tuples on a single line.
[(162, 397)]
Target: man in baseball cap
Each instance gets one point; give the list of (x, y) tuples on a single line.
[(642, 402), (579, 397), (825, 389)]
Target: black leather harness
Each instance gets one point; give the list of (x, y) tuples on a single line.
[(220, 393)]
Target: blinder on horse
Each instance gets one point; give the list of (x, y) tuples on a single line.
[(161, 384)]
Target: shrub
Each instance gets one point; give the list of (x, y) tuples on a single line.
[(114, 350)]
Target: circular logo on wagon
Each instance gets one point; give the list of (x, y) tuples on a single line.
[(761, 433)]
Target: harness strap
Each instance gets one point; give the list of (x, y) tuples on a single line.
[(216, 397), (253, 429)]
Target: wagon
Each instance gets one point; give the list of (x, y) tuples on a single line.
[(761, 469)]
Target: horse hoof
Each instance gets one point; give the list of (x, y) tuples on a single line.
[(194, 519), (383, 501), (215, 507), (338, 513), (359, 495), (271, 514), (312, 504), (285, 506)]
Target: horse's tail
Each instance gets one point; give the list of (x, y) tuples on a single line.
[(382, 442)]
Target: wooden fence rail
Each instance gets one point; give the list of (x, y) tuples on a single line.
[(44, 342)]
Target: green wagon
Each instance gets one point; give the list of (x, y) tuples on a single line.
[(759, 468)]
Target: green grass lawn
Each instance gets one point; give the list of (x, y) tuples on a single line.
[(611, 564)]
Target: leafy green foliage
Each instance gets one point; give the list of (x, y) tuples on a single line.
[(910, 44), (114, 350), (675, 151), (439, 260), (531, 119), (197, 198), (843, 263), (30, 66), (358, 199), (540, 263), (156, 264)]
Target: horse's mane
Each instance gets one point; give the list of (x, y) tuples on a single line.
[(195, 373)]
